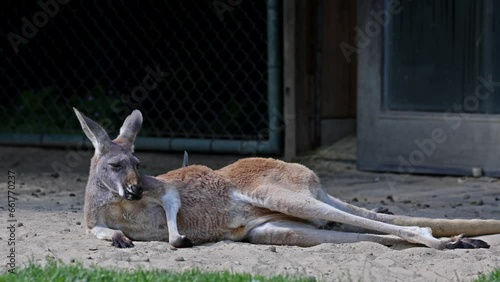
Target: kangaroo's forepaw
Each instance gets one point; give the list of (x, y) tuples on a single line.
[(182, 242), (459, 242), (121, 241)]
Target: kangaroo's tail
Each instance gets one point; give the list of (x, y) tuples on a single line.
[(451, 227)]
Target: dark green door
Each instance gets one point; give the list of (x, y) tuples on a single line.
[(429, 91)]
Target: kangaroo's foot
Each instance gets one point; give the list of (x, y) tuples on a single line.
[(459, 242), (181, 242), (121, 241)]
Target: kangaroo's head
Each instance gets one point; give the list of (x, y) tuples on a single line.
[(113, 165)]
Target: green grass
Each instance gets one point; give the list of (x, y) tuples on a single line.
[(490, 277), (59, 272)]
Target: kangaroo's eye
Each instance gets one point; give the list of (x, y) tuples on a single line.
[(115, 166), (137, 166)]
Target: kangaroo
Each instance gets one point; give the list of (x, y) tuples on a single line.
[(261, 201)]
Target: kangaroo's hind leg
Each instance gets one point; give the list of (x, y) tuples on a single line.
[(352, 209), (298, 205), (306, 235)]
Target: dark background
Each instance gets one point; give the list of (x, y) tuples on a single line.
[(91, 54)]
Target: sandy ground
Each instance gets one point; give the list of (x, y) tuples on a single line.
[(49, 221)]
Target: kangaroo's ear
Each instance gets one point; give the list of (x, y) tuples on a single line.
[(129, 130), (185, 161), (94, 132)]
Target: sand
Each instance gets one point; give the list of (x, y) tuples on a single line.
[(50, 222)]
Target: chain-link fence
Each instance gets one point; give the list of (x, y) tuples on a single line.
[(196, 69)]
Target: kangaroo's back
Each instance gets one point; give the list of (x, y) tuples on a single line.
[(252, 173)]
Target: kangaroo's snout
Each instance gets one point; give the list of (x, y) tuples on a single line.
[(133, 192)]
